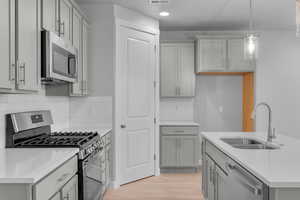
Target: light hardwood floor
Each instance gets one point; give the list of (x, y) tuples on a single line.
[(163, 187)]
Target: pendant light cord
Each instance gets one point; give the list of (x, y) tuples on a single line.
[(251, 23)]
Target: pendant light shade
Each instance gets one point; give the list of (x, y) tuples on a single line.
[(251, 38), (251, 46)]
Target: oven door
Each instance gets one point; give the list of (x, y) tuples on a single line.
[(94, 176)]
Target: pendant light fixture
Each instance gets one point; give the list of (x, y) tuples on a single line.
[(251, 38)]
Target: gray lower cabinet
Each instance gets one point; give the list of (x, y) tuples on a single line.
[(210, 192), (169, 152), (179, 147), (60, 184), (70, 190), (225, 179), (57, 196)]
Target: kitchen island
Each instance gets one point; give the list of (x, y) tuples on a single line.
[(235, 173)]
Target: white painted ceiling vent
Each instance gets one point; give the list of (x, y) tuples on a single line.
[(159, 2)]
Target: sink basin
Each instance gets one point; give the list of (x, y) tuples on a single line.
[(248, 143)]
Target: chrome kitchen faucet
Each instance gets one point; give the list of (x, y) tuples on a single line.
[(271, 133)]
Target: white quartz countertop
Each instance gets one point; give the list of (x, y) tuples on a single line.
[(22, 165), (100, 130), (278, 168), (178, 123)]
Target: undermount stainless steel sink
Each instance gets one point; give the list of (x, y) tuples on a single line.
[(249, 143)]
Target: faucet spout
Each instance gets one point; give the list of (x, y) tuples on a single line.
[(271, 134)]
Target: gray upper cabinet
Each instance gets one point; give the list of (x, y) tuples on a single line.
[(85, 58), (80, 36), (177, 70), (27, 46), (50, 18), (236, 60), (222, 54), (77, 38), (169, 70), (7, 75), (211, 55), (65, 15)]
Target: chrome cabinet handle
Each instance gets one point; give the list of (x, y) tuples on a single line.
[(23, 67), (62, 25), (12, 72), (123, 126), (57, 22), (67, 197)]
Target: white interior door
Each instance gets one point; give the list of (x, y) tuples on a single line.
[(137, 63)]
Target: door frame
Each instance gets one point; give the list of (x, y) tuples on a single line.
[(117, 109)]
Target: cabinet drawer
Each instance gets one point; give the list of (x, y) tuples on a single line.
[(219, 157), (179, 130), (54, 181)]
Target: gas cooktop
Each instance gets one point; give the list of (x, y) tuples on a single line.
[(59, 139)]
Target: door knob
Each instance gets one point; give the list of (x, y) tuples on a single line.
[(123, 126)]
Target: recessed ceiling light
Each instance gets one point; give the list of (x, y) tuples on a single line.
[(164, 14)]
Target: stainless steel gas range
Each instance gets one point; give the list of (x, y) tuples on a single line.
[(33, 130)]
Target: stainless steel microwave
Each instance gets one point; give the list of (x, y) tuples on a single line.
[(59, 59)]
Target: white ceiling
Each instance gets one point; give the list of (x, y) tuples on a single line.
[(216, 14)]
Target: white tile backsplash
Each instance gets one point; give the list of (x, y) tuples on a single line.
[(177, 109), (91, 112)]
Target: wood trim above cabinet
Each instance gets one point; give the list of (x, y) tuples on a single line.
[(248, 101)]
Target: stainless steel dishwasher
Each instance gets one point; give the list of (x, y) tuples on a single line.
[(237, 183), (225, 179)]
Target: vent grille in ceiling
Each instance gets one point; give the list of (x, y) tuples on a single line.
[(159, 2)]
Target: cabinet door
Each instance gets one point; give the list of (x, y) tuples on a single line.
[(56, 197), (50, 20), (85, 57), (222, 190), (210, 179), (169, 63), (27, 46), (169, 152), (77, 43), (211, 55), (186, 69), (205, 172), (70, 190), (188, 151), (66, 20), (7, 75), (236, 60)]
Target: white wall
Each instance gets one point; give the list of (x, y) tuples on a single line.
[(278, 80), (19, 103), (219, 103)]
